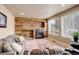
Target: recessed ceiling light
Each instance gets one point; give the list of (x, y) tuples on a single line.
[(63, 4), (21, 13)]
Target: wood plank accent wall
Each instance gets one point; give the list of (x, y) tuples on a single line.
[(27, 26)]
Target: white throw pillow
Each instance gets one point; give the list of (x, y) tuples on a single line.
[(21, 38), (17, 47)]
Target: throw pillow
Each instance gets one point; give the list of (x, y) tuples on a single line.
[(21, 38), (4, 48), (16, 47)]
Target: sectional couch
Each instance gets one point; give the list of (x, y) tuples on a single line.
[(8, 45)]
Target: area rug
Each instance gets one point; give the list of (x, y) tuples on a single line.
[(40, 44)]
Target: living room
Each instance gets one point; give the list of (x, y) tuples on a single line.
[(37, 27)]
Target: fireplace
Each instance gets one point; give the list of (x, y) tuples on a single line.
[(39, 33)]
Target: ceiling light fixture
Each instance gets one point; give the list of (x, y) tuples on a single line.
[(63, 4), (21, 13)]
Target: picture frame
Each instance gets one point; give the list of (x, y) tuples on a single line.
[(3, 20)]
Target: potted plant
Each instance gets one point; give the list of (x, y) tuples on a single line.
[(75, 36)]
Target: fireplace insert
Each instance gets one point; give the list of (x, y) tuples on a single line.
[(39, 33)]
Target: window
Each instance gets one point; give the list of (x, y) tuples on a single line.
[(54, 26), (76, 21), (70, 23)]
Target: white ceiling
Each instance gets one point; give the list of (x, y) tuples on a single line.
[(36, 10)]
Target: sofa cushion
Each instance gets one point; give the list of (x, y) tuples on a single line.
[(26, 52), (46, 52), (9, 39), (4, 46), (1, 42), (36, 52), (12, 38)]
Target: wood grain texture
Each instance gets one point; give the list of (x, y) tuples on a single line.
[(27, 26)]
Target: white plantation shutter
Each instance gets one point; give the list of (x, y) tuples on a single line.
[(70, 23), (67, 25), (76, 21)]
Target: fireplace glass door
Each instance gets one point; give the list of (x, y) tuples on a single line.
[(39, 33)]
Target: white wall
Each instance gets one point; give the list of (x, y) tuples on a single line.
[(10, 23)]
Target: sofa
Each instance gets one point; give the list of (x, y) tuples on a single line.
[(14, 45), (11, 45)]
